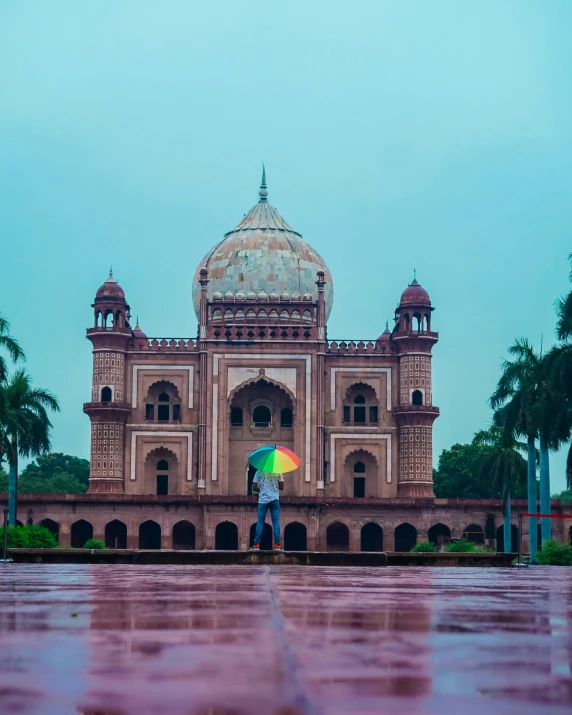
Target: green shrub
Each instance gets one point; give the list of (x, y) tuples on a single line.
[(424, 547), (554, 554), (461, 546), (29, 537), (94, 544)]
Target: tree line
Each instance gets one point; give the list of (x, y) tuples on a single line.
[(532, 404)]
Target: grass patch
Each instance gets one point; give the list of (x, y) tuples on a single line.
[(424, 547), (94, 544)]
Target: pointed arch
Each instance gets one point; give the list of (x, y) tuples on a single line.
[(261, 379), (357, 387)]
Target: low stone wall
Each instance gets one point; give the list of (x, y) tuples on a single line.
[(221, 558), (196, 558), (450, 559)]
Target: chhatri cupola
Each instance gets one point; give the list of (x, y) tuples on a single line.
[(263, 254)]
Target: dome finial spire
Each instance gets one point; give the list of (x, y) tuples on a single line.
[(263, 193), (415, 281)]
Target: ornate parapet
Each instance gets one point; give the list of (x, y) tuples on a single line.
[(360, 347), (165, 345)]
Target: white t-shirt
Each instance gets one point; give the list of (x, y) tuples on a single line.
[(268, 485)]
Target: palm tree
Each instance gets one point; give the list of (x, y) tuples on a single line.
[(559, 367), (564, 312), (514, 400), (558, 399), (8, 343), (502, 466), (24, 426), (553, 416)]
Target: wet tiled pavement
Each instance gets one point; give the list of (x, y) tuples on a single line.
[(284, 640)]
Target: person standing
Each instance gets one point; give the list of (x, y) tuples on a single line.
[(268, 486)]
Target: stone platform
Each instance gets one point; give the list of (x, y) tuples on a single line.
[(249, 558), (284, 640)]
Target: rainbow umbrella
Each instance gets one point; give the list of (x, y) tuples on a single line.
[(274, 458)]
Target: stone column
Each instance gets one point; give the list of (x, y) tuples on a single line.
[(320, 385), (202, 457)]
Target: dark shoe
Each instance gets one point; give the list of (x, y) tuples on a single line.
[(277, 547), (255, 547)]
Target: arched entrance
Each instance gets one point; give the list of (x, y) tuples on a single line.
[(226, 536), (149, 535), (439, 534), (295, 537), (405, 537), (513, 538), (81, 531), (371, 537), (52, 526), (161, 476), (266, 543), (360, 475), (260, 412), (184, 535), (474, 533), (337, 537), (116, 535)]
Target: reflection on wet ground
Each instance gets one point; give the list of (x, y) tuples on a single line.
[(284, 640)]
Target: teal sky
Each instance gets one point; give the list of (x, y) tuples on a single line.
[(433, 135)]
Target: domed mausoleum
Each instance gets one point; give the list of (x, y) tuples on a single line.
[(263, 253), (173, 420)]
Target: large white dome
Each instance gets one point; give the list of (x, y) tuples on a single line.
[(263, 253)]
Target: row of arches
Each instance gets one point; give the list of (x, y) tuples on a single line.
[(295, 535), (417, 322), (109, 319), (251, 314), (115, 534)]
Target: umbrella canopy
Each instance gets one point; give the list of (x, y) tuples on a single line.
[(274, 458)]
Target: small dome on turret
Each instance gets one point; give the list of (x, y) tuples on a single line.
[(285, 296), (385, 337), (307, 297), (274, 296), (415, 295), (217, 295), (137, 332), (296, 296), (229, 295), (251, 295), (110, 289), (262, 296)]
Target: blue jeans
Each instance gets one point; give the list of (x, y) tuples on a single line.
[(274, 507)]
